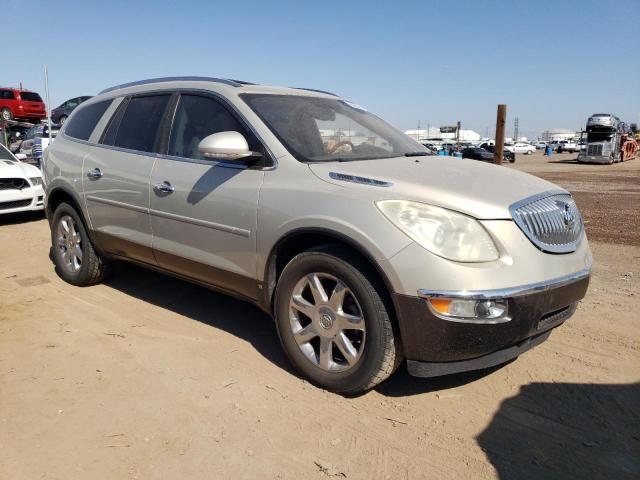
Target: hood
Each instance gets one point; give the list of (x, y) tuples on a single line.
[(13, 169), (481, 190)]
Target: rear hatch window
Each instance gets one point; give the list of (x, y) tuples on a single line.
[(30, 97)]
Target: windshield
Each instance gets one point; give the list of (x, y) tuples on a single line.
[(599, 136), (4, 154), (317, 129)]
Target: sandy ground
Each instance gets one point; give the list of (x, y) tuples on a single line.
[(146, 376)]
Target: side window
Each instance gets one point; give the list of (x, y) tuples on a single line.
[(7, 95), (198, 117), (71, 103), (31, 133), (84, 120), (137, 126)]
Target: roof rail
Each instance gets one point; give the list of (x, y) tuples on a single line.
[(316, 90), (232, 83)]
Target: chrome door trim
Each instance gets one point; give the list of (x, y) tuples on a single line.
[(202, 223), (115, 203)]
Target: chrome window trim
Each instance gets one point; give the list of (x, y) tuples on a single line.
[(545, 247), (169, 91), (510, 292)]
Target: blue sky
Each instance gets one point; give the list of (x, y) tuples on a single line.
[(552, 62)]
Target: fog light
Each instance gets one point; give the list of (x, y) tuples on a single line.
[(458, 309)]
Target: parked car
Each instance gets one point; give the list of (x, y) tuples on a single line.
[(36, 140), (365, 253), (477, 153), (521, 147), (540, 145), (21, 104), (506, 154), (20, 185), (564, 146), (59, 114)]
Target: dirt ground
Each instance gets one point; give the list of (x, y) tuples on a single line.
[(145, 376)]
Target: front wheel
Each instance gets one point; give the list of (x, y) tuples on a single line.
[(6, 114), (333, 324), (76, 260), (62, 119)]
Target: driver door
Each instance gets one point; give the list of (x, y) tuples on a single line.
[(203, 212)]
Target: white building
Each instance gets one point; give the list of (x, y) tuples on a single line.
[(557, 134), (433, 133)]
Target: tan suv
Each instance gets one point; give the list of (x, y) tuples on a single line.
[(363, 247)]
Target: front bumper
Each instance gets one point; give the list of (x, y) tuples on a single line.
[(25, 200), (436, 346)]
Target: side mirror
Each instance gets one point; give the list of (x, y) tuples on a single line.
[(225, 146)]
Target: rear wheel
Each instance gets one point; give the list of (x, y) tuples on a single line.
[(6, 114), (76, 260), (62, 119), (333, 324)]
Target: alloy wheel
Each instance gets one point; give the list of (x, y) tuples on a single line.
[(327, 322), (69, 244)]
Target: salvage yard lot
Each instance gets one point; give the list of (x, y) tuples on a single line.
[(145, 376)]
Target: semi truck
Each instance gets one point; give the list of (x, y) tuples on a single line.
[(608, 140)]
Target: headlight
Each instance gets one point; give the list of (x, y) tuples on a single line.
[(35, 181), (444, 232)]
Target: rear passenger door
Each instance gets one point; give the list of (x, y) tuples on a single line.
[(116, 176), (204, 223)]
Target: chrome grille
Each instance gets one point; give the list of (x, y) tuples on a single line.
[(594, 150), (551, 221)]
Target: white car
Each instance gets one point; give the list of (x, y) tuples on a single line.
[(521, 147), (20, 185)]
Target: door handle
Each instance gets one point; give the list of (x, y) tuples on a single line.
[(164, 187), (94, 174)]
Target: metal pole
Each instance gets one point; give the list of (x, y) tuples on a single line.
[(46, 90), (501, 119)]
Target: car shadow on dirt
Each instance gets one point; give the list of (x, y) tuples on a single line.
[(566, 431), (217, 310), (246, 321)]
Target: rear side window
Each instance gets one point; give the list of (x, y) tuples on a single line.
[(137, 126), (30, 97), (85, 119), (7, 95)]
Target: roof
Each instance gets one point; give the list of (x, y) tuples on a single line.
[(247, 87), (18, 89)]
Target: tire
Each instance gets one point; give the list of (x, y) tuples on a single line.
[(62, 119), (67, 229), (374, 349), (559, 150), (512, 159), (529, 152), (6, 114)]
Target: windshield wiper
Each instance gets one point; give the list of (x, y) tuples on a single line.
[(416, 154)]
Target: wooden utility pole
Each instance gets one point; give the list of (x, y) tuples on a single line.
[(501, 119)]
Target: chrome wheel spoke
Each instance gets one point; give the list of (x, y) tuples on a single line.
[(301, 305), (304, 335), (337, 296), (317, 290), (77, 253), (350, 322), (326, 352), (347, 349)]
